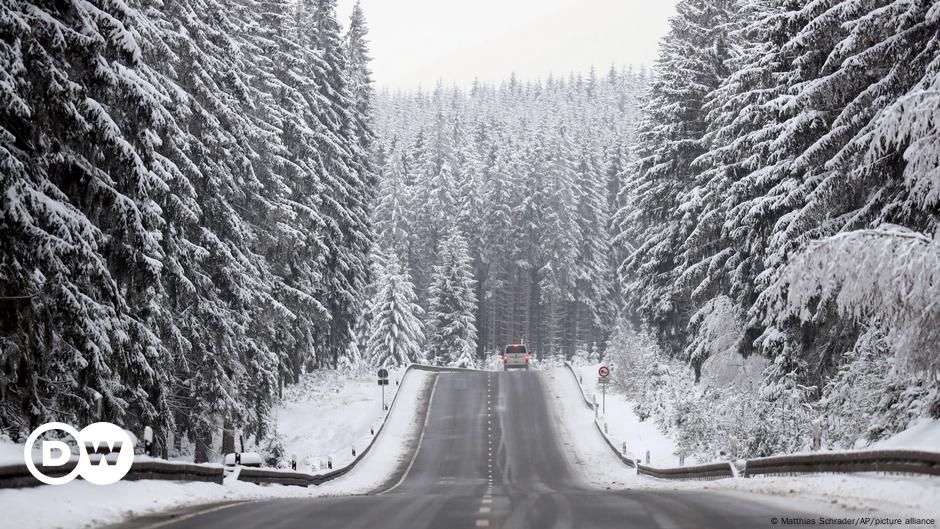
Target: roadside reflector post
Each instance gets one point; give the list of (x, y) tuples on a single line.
[(647, 457), (354, 451), (624, 448), (605, 427), (148, 440), (293, 462), (329, 463)]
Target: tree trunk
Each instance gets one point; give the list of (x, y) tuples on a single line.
[(202, 447), (228, 437)]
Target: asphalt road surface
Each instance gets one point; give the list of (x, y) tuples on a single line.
[(490, 458)]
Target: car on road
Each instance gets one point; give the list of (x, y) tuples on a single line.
[(515, 357)]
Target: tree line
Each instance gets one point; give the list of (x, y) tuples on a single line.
[(528, 174)]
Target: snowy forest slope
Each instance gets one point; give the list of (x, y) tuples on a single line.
[(184, 207), (784, 203)]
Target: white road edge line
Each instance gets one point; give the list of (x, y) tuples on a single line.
[(178, 519), (424, 428)]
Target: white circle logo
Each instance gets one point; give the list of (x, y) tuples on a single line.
[(105, 453)]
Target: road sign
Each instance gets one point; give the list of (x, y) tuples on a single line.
[(383, 381), (383, 373), (603, 372), (603, 381)]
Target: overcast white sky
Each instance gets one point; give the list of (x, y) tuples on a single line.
[(416, 42)]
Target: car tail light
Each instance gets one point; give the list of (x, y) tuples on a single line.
[(505, 359), (526, 358)]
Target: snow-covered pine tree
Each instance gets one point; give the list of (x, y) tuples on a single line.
[(345, 172), (451, 322), (691, 63), (396, 335), (82, 260), (853, 59)]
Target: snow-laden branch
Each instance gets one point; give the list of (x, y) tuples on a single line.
[(889, 276)]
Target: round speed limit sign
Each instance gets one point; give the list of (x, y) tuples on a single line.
[(603, 372)]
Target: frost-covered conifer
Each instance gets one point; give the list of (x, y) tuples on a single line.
[(396, 335), (451, 323)]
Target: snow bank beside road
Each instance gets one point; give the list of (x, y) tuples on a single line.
[(328, 413), (82, 504), (624, 425), (397, 443), (588, 454)]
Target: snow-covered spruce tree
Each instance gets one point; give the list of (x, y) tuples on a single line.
[(853, 59), (344, 170), (396, 335), (228, 281), (592, 311), (885, 277), (80, 268), (451, 323), (557, 266), (691, 63)]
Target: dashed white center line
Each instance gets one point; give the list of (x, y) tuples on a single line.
[(483, 523)]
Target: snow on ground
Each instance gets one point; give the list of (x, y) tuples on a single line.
[(394, 446), (830, 494), (10, 453), (328, 413), (81, 504), (924, 435), (588, 454), (624, 425), (917, 496)]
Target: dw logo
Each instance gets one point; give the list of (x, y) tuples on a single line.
[(98, 443)]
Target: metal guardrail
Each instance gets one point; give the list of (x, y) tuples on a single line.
[(709, 471), (884, 461), (18, 476)]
